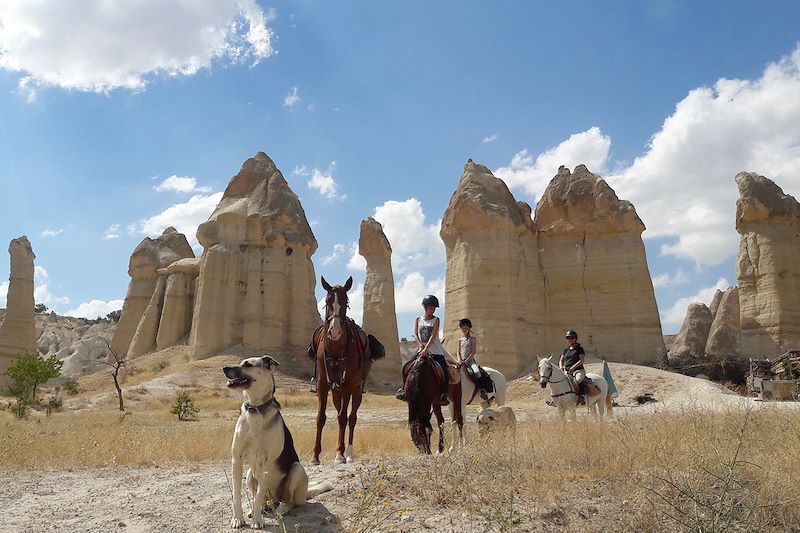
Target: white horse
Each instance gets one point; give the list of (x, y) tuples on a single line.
[(467, 392), (565, 398)]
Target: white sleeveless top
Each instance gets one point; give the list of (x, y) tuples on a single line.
[(424, 330)]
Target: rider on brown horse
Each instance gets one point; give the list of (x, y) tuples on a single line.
[(426, 332)]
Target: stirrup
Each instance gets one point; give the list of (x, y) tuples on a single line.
[(400, 394), (313, 385)]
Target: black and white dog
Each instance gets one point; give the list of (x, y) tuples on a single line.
[(264, 443)]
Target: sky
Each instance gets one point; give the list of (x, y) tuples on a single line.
[(120, 119)]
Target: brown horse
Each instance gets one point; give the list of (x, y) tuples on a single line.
[(342, 366), (422, 394)]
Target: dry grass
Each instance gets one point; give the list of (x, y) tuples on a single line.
[(692, 470)]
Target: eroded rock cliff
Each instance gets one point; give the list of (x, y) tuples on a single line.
[(768, 266), (256, 281)]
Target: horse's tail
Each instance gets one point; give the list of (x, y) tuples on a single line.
[(609, 404)]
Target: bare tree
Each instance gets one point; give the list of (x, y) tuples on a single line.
[(116, 365)]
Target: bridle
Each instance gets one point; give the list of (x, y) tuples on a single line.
[(331, 315), (548, 376)]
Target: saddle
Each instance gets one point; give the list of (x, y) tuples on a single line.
[(357, 339), (437, 369), (586, 387)]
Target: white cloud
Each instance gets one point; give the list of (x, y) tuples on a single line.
[(357, 261), (674, 315), (409, 292), (112, 232), (182, 184), (415, 245), (590, 148), (292, 98), (322, 181), (99, 46), (95, 308), (490, 138), (355, 300), (41, 289), (338, 250), (300, 170), (50, 233), (670, 280), (3, 293), (185, 217), (682, 186)]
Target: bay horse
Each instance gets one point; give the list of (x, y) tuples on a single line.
[(563, 395), (342, 366), (422, 394)]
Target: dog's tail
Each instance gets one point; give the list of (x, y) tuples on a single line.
[(609, 404), (318, 488)]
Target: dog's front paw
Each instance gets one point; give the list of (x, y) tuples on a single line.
[(258, 524), (237, 523)]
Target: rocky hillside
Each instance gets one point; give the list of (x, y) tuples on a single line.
[(79, 342)]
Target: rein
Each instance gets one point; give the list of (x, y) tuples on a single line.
[(570, 391)]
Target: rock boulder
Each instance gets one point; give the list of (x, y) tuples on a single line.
[(690, 343)]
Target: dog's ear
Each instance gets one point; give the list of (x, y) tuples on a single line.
[(268, 361)]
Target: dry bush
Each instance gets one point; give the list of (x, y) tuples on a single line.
[(690, 471)]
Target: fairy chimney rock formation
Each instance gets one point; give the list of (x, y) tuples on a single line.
[(690, 344), (150, 256), (595, 270), (768, 267), (18, 328), (492, 273), (179, 293), (723, 337), (380, 317), (256, 281), (715, 303)]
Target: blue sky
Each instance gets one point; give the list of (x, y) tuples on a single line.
[(370, 106)]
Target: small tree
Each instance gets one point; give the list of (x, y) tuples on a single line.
[(184, 407), (113, 316), (28, 372), (116, 363), (39, 308)]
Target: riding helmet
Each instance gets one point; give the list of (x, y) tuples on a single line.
[(571, 333), (430, 300)]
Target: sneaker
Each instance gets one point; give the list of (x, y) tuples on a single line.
[(400, 394), (444, 400), (313, 386), (581, 400)]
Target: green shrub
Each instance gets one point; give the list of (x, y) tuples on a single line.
[(184, 408), (28, 372)]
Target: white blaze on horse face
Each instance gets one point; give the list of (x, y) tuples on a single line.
[(335, 331)]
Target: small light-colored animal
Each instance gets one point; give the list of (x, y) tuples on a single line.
[(492, 420), (263, 442)]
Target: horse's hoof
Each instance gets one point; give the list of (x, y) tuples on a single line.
[(350, 460), (339, 460)]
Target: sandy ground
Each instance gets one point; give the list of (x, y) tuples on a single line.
[(197, 497)]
